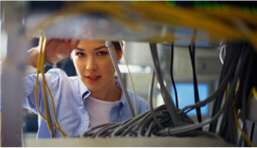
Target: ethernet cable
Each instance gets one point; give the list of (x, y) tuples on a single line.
[(144, 125), (123, 87), (186, 128), (40, 66), (217, 92), (166, 96), (228, 60), (171, 74), (213, 22), (130, 77), (240, 129), (150, 100), (196, 93), (48, 116), (45, 85), (222, 52)]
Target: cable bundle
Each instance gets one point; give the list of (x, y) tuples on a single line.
[(41, 67), (155, 122), (238, 92), (142, 125), (236, 85), (156, 21)]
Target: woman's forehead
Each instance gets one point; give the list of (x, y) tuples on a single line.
[(86, 44)]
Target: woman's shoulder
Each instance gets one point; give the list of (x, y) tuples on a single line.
[(57, 75), (139, 99), (56, 72)]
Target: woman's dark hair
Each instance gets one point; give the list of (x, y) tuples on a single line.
[(116, 45)]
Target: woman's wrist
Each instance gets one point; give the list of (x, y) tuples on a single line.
[(32, 57)]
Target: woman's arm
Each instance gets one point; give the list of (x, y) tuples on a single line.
[(56, 50)]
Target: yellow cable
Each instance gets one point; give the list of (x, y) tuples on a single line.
[(161, 15), (48, 116), (253, 93), (183, 17), (58, 127), (40, 64), (131, 80), (238, 126), (46, 85), (240, 129)]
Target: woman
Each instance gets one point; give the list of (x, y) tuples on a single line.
[(93, 97)]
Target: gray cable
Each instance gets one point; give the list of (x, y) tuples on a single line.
[(166, 97), (186, 128), (217, 92), (123, 87), (150, 99)]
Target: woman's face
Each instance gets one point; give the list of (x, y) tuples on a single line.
[(93, 64)]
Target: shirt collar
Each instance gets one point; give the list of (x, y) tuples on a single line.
[(117, 84), (84, 92)]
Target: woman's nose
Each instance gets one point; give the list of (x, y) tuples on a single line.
[(91, 65)]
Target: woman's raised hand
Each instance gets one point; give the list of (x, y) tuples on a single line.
[(59, 49)]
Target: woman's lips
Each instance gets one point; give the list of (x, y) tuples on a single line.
[(93, 78)]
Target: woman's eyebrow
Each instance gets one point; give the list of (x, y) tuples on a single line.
[(100, 47), (94, 49), (79, 49)]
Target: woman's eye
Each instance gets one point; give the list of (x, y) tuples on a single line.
[(80, 54), (102, 53)]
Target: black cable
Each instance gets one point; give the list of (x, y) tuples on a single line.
[(181, 129), (252, 131), (145, 125), (166, 97), (231, 54), (196, 92), (250, 66), (171, 74), (220, 89), (228, 122)]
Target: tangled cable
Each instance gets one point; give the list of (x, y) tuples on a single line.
[(152, 123), (236, 85)]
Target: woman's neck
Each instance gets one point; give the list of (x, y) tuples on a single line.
[(109, 94)]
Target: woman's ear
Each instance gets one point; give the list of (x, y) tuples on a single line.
[(119, 55)]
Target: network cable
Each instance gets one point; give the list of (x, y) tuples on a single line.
[(40, 67), (167, 120), (196, 93), (150, 101), (123, 87), (130, 77), (171, 74), (159, 14), (148, 124)]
